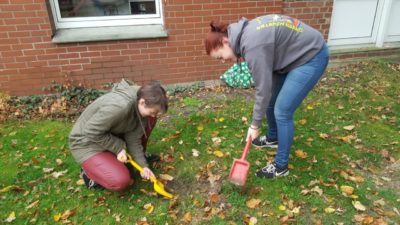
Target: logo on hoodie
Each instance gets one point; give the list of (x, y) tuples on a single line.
[(280, 21)]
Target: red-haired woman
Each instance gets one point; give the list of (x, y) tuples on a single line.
[(286, 58)]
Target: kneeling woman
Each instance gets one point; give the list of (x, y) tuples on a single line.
[(115, 124)]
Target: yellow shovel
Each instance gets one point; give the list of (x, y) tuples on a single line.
[(158, 186)]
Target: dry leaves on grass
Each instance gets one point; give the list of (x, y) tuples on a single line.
[(253, 203)]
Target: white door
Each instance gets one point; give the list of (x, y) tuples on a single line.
[(393, 30), (354, 22)]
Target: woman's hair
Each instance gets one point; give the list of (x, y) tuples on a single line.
[(214, 38), (154, 95)]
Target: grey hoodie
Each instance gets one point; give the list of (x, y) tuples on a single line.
[(272, 44), (110, 123)]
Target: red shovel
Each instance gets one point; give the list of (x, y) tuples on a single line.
[(240, 167)]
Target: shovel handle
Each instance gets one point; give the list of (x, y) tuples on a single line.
[(246, 148), (134, 164)]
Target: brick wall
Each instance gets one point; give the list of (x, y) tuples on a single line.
[(316, 13), (30, 61)]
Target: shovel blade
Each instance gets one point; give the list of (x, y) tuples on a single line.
[(239, 171), (159, 188)]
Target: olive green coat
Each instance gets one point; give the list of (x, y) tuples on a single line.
[(112, 122)]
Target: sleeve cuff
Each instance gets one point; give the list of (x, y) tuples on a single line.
[(256, 123)]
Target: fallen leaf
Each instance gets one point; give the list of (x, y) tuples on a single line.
[(323, 136), (166, 177), (349, 128), (329, 210), (282, 207), (187, 218), (219, 154), (301, 154), (318, 190), (368, 220), (59, 162), (148, 207), (358, 179), (33, 204), (358, 206), (200, 127), (195, 153), (68, 213), (253, 203), (302, 121), (348, 190), (214, 198), (305, 192), (11, 188), (57, 217), (379, 203), (216, 140), (253, 221), (117, 218), (59, 174), (11, 217), (80, 182), (48, 170)]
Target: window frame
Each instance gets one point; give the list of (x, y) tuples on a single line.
[(106, 21)]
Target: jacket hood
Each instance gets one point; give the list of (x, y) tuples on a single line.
[(125, 89), (235, 31)]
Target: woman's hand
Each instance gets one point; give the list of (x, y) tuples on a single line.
[(253, 132), (147, 173), (122, 156)]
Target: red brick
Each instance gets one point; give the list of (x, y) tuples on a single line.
[(6, 15), (19, 34), (14, 65), (25, 58), (57, 62), (183, 2), (37, 63), (32, 7), (33, 52), (110, 53), (30, 39), (79, 61), (71, 67), (68, 56), (16, 21), (11, 53), (12, 8), (25, 14), (192, 7), (89, 54)]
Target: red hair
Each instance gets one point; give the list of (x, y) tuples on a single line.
[(214, 38)]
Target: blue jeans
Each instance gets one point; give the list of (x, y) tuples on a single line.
[(289, 92)]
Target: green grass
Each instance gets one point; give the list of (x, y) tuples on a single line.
[(364, 96)]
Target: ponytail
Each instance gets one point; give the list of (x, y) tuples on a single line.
[(214, 38), (219, 27)]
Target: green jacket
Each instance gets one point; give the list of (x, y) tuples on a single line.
[(112, 122)]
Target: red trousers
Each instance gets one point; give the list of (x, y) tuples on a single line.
[(105, 169)]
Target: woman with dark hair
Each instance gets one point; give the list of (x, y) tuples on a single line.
[(113, 124), (286, 58)]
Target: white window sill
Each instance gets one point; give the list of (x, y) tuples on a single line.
[(109, 33)]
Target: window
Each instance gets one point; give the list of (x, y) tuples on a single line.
[(94, 20)]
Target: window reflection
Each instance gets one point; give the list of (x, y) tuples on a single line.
[(89, 8)]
